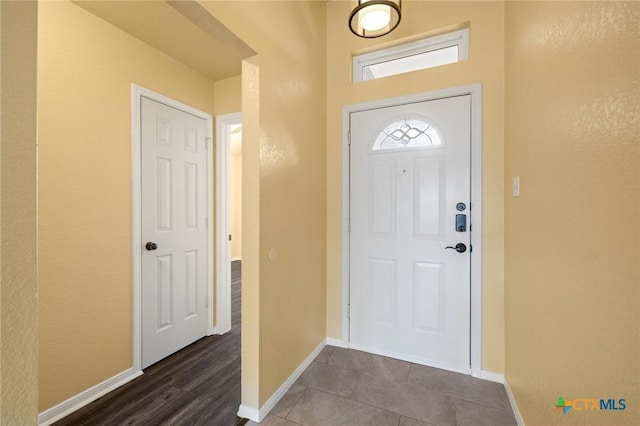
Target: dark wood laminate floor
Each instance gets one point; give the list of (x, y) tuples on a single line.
[(200, 385)]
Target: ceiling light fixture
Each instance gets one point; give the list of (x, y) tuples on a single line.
[(375, 18)]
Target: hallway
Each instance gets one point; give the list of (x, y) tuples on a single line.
[(197, 385), (200, 385)]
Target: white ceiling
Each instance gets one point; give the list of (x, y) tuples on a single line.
[(163, 27)]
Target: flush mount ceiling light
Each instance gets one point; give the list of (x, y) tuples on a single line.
[(375, 18)]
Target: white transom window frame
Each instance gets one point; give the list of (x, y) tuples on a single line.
[(459, 38)]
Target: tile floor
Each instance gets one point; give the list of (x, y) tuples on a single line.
[(348, 387)]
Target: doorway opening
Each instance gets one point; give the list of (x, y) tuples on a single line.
[(228, 212)]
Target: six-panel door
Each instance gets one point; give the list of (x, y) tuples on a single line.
[(174, 206), (409, 295)]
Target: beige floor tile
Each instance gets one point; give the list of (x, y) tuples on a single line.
[(370, 363), (347, 387), (408, 421), (472, 414), (407, 400), (271, 420), (328, 378), (322, 409), (286, 403), (459, 385), (325, 354)]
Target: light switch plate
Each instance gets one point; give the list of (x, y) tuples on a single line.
[(515, 186)]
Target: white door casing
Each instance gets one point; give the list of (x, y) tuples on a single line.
[(171, 168), (224, 124), (409, 296)]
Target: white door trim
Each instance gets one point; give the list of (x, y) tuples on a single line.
[(223, 219), (137, 92), (475, 91)]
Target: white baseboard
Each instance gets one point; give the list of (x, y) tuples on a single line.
[(332, 341), (250, 413), (514, 404), (499, 378), (259, 415), (491, 376), (74, 403)]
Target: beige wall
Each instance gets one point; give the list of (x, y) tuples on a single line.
[(485, 65), (228, 95), (18, 286), (236, 196), (572, 238), (86, 67), (229, 100), (284, 139), (251, 255)]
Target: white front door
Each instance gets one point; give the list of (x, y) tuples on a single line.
[(410, 181), (174, 230)]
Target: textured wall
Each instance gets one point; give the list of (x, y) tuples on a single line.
[(572, 238), (236, 196), (485, 65), (251, 254), (18, 286), (86, 67), (228, 95), (284, 165), (229, 100)]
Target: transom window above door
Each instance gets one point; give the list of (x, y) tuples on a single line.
[(409, 132), (417, 55)]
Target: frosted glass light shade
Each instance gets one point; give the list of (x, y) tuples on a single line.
[(375, 18)]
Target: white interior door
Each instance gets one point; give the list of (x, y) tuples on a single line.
[(410, 177), (174, 230)]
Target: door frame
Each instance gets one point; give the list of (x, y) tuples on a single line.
[(223, 219), (475, 91), (137, 93)]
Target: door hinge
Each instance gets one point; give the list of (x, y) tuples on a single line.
[(348, 224), (349, 137), (206, 303), (206, 222), (349, 311), (229, 237)]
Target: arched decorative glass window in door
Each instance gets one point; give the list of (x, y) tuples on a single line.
[(409, 132)]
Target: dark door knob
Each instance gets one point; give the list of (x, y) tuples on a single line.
[(151, 246), (460, 248)]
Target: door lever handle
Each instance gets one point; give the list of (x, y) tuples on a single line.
[(460, 248)]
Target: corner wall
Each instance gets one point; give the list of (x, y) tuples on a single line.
[(573, 237), (284, 181), (228, 95), (236, 197), (18, 186), (229, 100)]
